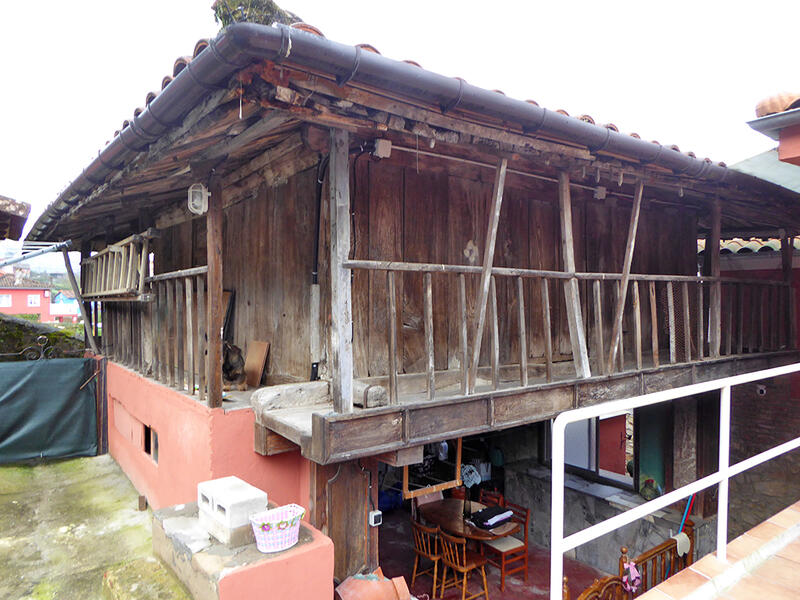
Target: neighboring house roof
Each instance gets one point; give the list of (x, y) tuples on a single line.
[(742, 246), (13, 215), (223, 69), (9, 281), (778, 103), (767, 166), (777, 112)]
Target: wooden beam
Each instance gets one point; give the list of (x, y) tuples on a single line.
[(392, 313), (341, 304), (430, 367), (715, 293), (546, 330), (671, 322), (268, 443), (216, 310), (653, 322), (523, 336), (637, 325), (462, 332), (488, 258), (619, 310), (687, 326), (577, 334), (87, 325), (598, 326)]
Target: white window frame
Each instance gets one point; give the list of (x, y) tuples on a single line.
[(34, 301), (6, 301)]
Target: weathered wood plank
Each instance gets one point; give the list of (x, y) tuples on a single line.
[(191, 334), (728, 333), (430, 365), (653, 322), (523, 338), (202, 335), (619, 311), (598, 327), (671, 322), (215, 309), (494, 334), (488, 258), (637, 325), (169, 315), (269, 443), (462, 333), (391, 295), (700, 322), (621, 342), (546, 327), (180, 333), (577, 334), (341, 304), (740, 318), (87, 324), (687, 325), (715, 297)]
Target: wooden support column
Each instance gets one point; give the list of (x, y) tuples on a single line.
[(87, 326), (619, 311), (577, 335), (488, 258), (715, 292), (216, 314), (341, 307), (787, 254)]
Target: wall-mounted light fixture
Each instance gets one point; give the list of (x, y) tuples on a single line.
[(198, 198)]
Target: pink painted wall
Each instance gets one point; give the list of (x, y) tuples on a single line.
[(19, 302), (196, 443), (304, 572)]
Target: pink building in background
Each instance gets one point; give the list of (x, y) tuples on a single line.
[(22, 296)]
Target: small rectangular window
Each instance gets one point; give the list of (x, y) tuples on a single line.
[(150, 442), (33, 299), (5, 300)]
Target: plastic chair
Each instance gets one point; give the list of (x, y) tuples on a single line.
[(491, 498), (456, 557), (426, 545), (507, 551)]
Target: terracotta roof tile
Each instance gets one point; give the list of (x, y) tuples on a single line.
[(778, 103)]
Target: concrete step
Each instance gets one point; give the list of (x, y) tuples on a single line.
[(142, 579)]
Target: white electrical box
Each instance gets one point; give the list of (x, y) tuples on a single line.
[(375, 518)]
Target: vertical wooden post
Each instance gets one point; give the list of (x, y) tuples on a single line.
[(740, 318), (216, 311), (637, 325), (715, 295), (523, 338), (462, 332), (619, 310), (653, 322), (202, 329), (488, 258), (430, 364), (787, 256), (577, 334), (494, 348), (546, 330), (191, 335), (687, 326), (392, 315), (598, 326), (671, 321), (700, 321), (341, 306)]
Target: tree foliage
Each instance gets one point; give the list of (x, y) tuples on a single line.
[(265, 12)]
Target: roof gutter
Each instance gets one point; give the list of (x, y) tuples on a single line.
[(771, 125), (242, 43)]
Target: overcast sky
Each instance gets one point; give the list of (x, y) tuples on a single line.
[(688, 73)]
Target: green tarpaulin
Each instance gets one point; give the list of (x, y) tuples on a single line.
[(43, 411)]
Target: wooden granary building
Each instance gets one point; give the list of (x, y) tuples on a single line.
[(427, 259)]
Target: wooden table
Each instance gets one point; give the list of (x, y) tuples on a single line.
[(449, 515)]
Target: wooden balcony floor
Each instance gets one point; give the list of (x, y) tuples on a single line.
[(325, 436)]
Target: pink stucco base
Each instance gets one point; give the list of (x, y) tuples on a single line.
[(303, 572), (195, 443)]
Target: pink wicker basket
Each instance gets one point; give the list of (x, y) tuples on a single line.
[(277, 529)]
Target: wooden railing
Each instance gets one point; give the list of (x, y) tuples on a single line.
[(119, 270), (667, 319), (166, 337), (660, 562)]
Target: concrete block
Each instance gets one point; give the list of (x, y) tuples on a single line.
[(231, 537), (227, 503)]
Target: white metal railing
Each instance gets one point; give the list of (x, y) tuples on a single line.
[(560, 544)]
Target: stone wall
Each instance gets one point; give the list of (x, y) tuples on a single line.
[(763, 415), (17, 334), (587, 503)]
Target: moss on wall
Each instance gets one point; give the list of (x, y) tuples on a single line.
[(17, 334)]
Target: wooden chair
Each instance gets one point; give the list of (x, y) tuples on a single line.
[(608, 588), (506, 551), (456, 557), (491, 498), (660, 562), (459, 492), (426, 545)]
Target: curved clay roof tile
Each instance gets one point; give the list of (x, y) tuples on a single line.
[(199, 47), (180, 64), (149, 98), (534, 102), (612, 127), (369, 48), (166, 81), (778, 104), (137, 112), (635, 135), (413, 62), (561, 111), (587, 119), (307, 28)]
